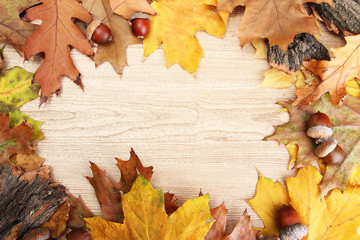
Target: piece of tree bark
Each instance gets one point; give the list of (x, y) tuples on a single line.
[(344, 17), (26, 200), (305, 46)]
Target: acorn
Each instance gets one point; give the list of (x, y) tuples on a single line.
[(319, 127), (98, 32), (325, 147), (140, 24), (334, 157), (290, 224)]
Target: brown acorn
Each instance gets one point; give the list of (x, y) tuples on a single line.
[(290, 224), (98, 32)]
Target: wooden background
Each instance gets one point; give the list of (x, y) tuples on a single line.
[(202, 131)]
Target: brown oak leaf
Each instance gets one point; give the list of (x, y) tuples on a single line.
[(13, 140), (334, 74), (126, 8), (13, 30), (278, 20), (78, 211), (170, 203), (122, 36), (54, 37), (242, 231)]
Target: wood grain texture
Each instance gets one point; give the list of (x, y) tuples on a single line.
[(198, 132)]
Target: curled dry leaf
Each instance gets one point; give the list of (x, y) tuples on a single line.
[(176, 24), (122, 36), (13, 30), (57, 222), (345, 122), (334, 217), (54, 37), (127, 8), (145, 217), (278, 21), (334, 74)]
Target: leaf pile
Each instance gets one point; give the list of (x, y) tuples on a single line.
[(28, 197), (334, 217)]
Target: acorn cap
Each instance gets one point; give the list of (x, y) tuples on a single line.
[(326, 147), (92, 27), (139, 15), (319, 132), (294, 232)]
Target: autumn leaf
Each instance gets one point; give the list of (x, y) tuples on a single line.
[(108, 197), (13, 30), (15, 90), (122, 36), (279, 79), (269, 198), (278, 21), (334, 217), (145, 217), (57, 222), (345, 122), (78, 211), (28, 162), (242, 231), (126, 8), (13, 140), (335, 74), (170, 203), (108, 192), (53, 38), (175, 27)]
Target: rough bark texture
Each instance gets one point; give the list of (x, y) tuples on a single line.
[(305, 46), (26, 201), (344, 17)]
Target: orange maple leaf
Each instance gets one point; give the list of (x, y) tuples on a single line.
[(278, 20), (334, 74), (54, 37)]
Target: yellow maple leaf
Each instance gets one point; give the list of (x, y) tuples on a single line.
[(334, 217), (175, 27), (270, 196), (279, 79), (145, 217)]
